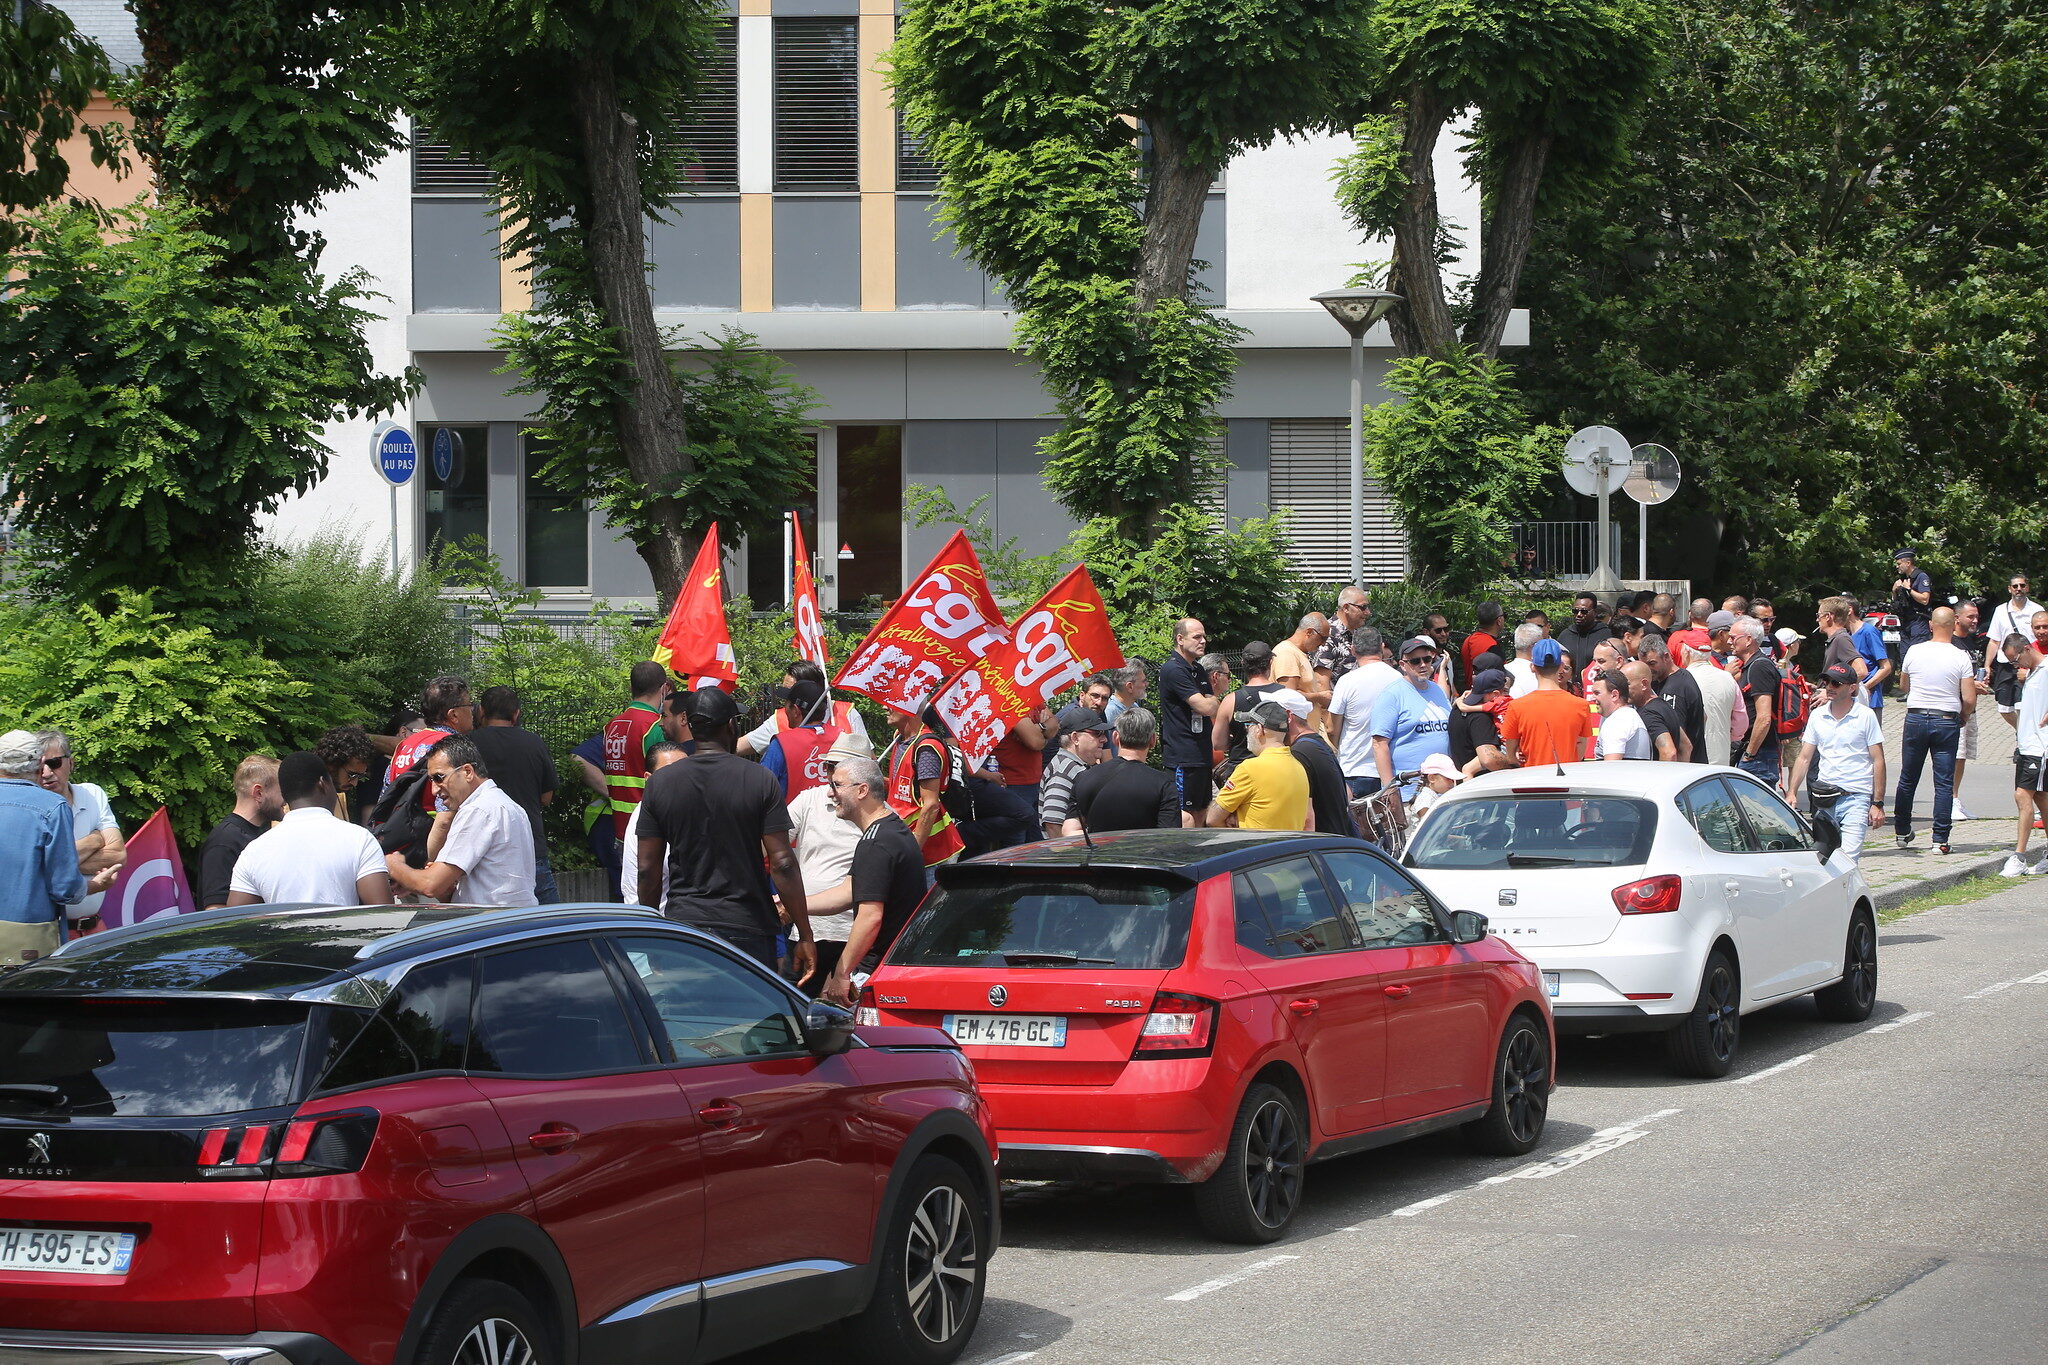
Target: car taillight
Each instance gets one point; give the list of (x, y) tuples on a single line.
[(864, 1010), (1178, 1026), (1650, 896), (327, 1144)]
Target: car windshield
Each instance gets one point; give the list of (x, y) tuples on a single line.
[(147, 1058), (1050, 922), (1536, 831)]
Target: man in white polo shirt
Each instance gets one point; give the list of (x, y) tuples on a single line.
[(1843, 748), (483, 853), (310, 856)]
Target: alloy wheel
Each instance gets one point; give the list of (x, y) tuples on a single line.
[(494, 1341), (1860, 971), (941, 1264), (1525, 1080), (1722, 1015), (1273, 1163)]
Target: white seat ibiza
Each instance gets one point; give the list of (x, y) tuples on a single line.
[(1671, 897)]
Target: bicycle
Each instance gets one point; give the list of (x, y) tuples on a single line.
[(1382, 816)]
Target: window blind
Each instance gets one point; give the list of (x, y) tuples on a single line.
[(1308, 476), (438, 168), (816, 105), (915, 170), (712, 132)]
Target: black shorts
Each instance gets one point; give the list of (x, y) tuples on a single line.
[(1195, 788), (2029, 773), (2005, 684)]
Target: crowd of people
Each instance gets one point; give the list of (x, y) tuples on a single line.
[(803, 845)]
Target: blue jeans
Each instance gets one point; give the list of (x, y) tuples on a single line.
[(1936, 733), (1362, 786), (1764, 767), (1852, 817), (544, 890)]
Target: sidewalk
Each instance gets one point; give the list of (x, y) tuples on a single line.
[(1980, 844)]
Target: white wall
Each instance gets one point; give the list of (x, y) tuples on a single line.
[(368, 227)]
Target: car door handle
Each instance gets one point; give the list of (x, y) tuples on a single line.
[(1304, 1008), (553, 1137), (1785, 875), (1732, 888), (720, 1114), (1398, 992)]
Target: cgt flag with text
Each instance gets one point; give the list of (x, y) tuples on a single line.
[(945, 622), (1054, 646), (810, 623)]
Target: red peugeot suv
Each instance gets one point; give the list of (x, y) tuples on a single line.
[(1220, 1008), (318, 1136)]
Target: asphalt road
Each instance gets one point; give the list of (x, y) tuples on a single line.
[(1871, 1193)]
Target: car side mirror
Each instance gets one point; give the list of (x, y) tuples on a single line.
[(1827, 835), (1467, 926), (828, 1030)]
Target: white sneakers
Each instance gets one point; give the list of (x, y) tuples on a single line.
[(2016, 866), (1956, 811)]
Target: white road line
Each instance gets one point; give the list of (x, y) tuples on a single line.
[(2037, 979), (1888, 1025), (1013, 1358), (1992, 989), (1770, 1071), (1225, 1281), (1606, 1140)]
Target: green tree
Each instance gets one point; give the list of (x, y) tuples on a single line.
[(49, 73), (1822, 282), (1076, 142)]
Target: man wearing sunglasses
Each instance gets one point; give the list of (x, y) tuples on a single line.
[(483, 854), (2014, 616), (101, 848), (1410, 723), (310, 856), (38, 864)]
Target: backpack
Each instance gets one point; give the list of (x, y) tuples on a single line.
[(397, 822), (1791, 706)]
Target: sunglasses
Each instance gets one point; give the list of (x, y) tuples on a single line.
[(52, 764), (1426, 660), (438, 779)]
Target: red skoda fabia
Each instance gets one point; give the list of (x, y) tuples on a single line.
[(365, 1136), (1220, 1008)]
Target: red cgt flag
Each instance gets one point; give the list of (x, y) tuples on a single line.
[(945, 622), (810, 622), (1055, 645), (152, 881), (695, 642)]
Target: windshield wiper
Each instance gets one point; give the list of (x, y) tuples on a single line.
[(52, 1096), (1540, 860), (1015, 959)]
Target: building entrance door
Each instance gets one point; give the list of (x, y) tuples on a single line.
[(856, 503)]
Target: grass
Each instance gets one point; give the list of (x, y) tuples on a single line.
[(1976, 888)]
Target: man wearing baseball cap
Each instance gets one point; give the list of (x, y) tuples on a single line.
[(1269, 790), (1412, 718), (1844, 749), (1475, 726), (825, 844), (1553, 724), (1084, 736), (1328, 796)]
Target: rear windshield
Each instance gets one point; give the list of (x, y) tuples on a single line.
[(1033, 922), (1536, 831), (148, 1058)]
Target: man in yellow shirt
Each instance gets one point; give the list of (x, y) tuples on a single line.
[(1269, 790)]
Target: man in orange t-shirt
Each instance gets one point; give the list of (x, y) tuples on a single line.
[(1553, 724)]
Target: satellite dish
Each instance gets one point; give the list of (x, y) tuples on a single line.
[(1596, 460), (1653, 475)]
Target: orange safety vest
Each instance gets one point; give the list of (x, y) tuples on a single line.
[(944, 841), (625, 761)]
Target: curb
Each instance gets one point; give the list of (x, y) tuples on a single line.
[(1953, 875)]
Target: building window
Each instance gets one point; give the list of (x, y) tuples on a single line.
[(458, 508), (712, 134), (1309, 476), (817, 144), (915, 169), (438, 168), (870, 513), (557, 530)]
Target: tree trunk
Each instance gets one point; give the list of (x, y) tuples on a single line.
[(1422, 326), (1504, 244), (651, 418)]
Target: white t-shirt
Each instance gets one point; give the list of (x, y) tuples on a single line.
[(90, 811), (2030, 739), (761, 735), (629, 863), (1352, 698), (2006, 620), (491, 840), (824, 856), (1934, 676), (1719, 698), (1521, 678), (1842, 747), (311, 856), (1624, 733)]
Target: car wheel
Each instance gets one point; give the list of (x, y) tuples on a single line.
[(1255, 1192), (934, 1268), (1521, 1092), (1850, 1000), (483, 1322), (1704, 1042)]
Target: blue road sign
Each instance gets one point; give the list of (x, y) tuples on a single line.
[(447, 454), (397, 456)]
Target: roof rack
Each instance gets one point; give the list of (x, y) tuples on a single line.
[(448, 924)]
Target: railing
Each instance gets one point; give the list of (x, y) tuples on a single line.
[(1562, 549)]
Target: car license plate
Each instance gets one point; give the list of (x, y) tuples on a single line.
[(1008, 1030), (1550, 981), (66, 1251)]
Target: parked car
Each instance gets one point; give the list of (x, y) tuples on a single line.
[(1219, 1008), (321, 1136), (1656, 897)]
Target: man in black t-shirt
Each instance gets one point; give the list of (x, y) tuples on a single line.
[(1668, 739), (257, 807), (712, 816), (1475, 725), (1758, 755), (1187, 705), (1124, 791), (1679, 690), (520, 764), (888, 875), (1329, 799)]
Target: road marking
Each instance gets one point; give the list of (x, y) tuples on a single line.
[(1992, 989), (1606, 1140), (1770, 1071), (1013, 1358), (1225, 1281), (1888, 1025), (2037, 979)]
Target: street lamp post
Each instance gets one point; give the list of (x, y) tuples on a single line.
[(1356, 310)]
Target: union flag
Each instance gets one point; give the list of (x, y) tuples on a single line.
[(695, 643)]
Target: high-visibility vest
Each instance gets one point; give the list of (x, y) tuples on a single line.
[(943, 841), (804, 748), (625, 761)]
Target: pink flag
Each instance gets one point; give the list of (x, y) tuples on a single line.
[(152, 880)]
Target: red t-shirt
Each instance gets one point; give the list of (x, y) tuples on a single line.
[(1020, 764), (1476, 644)]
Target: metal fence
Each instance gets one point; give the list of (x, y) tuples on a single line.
[(1562, 549)]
